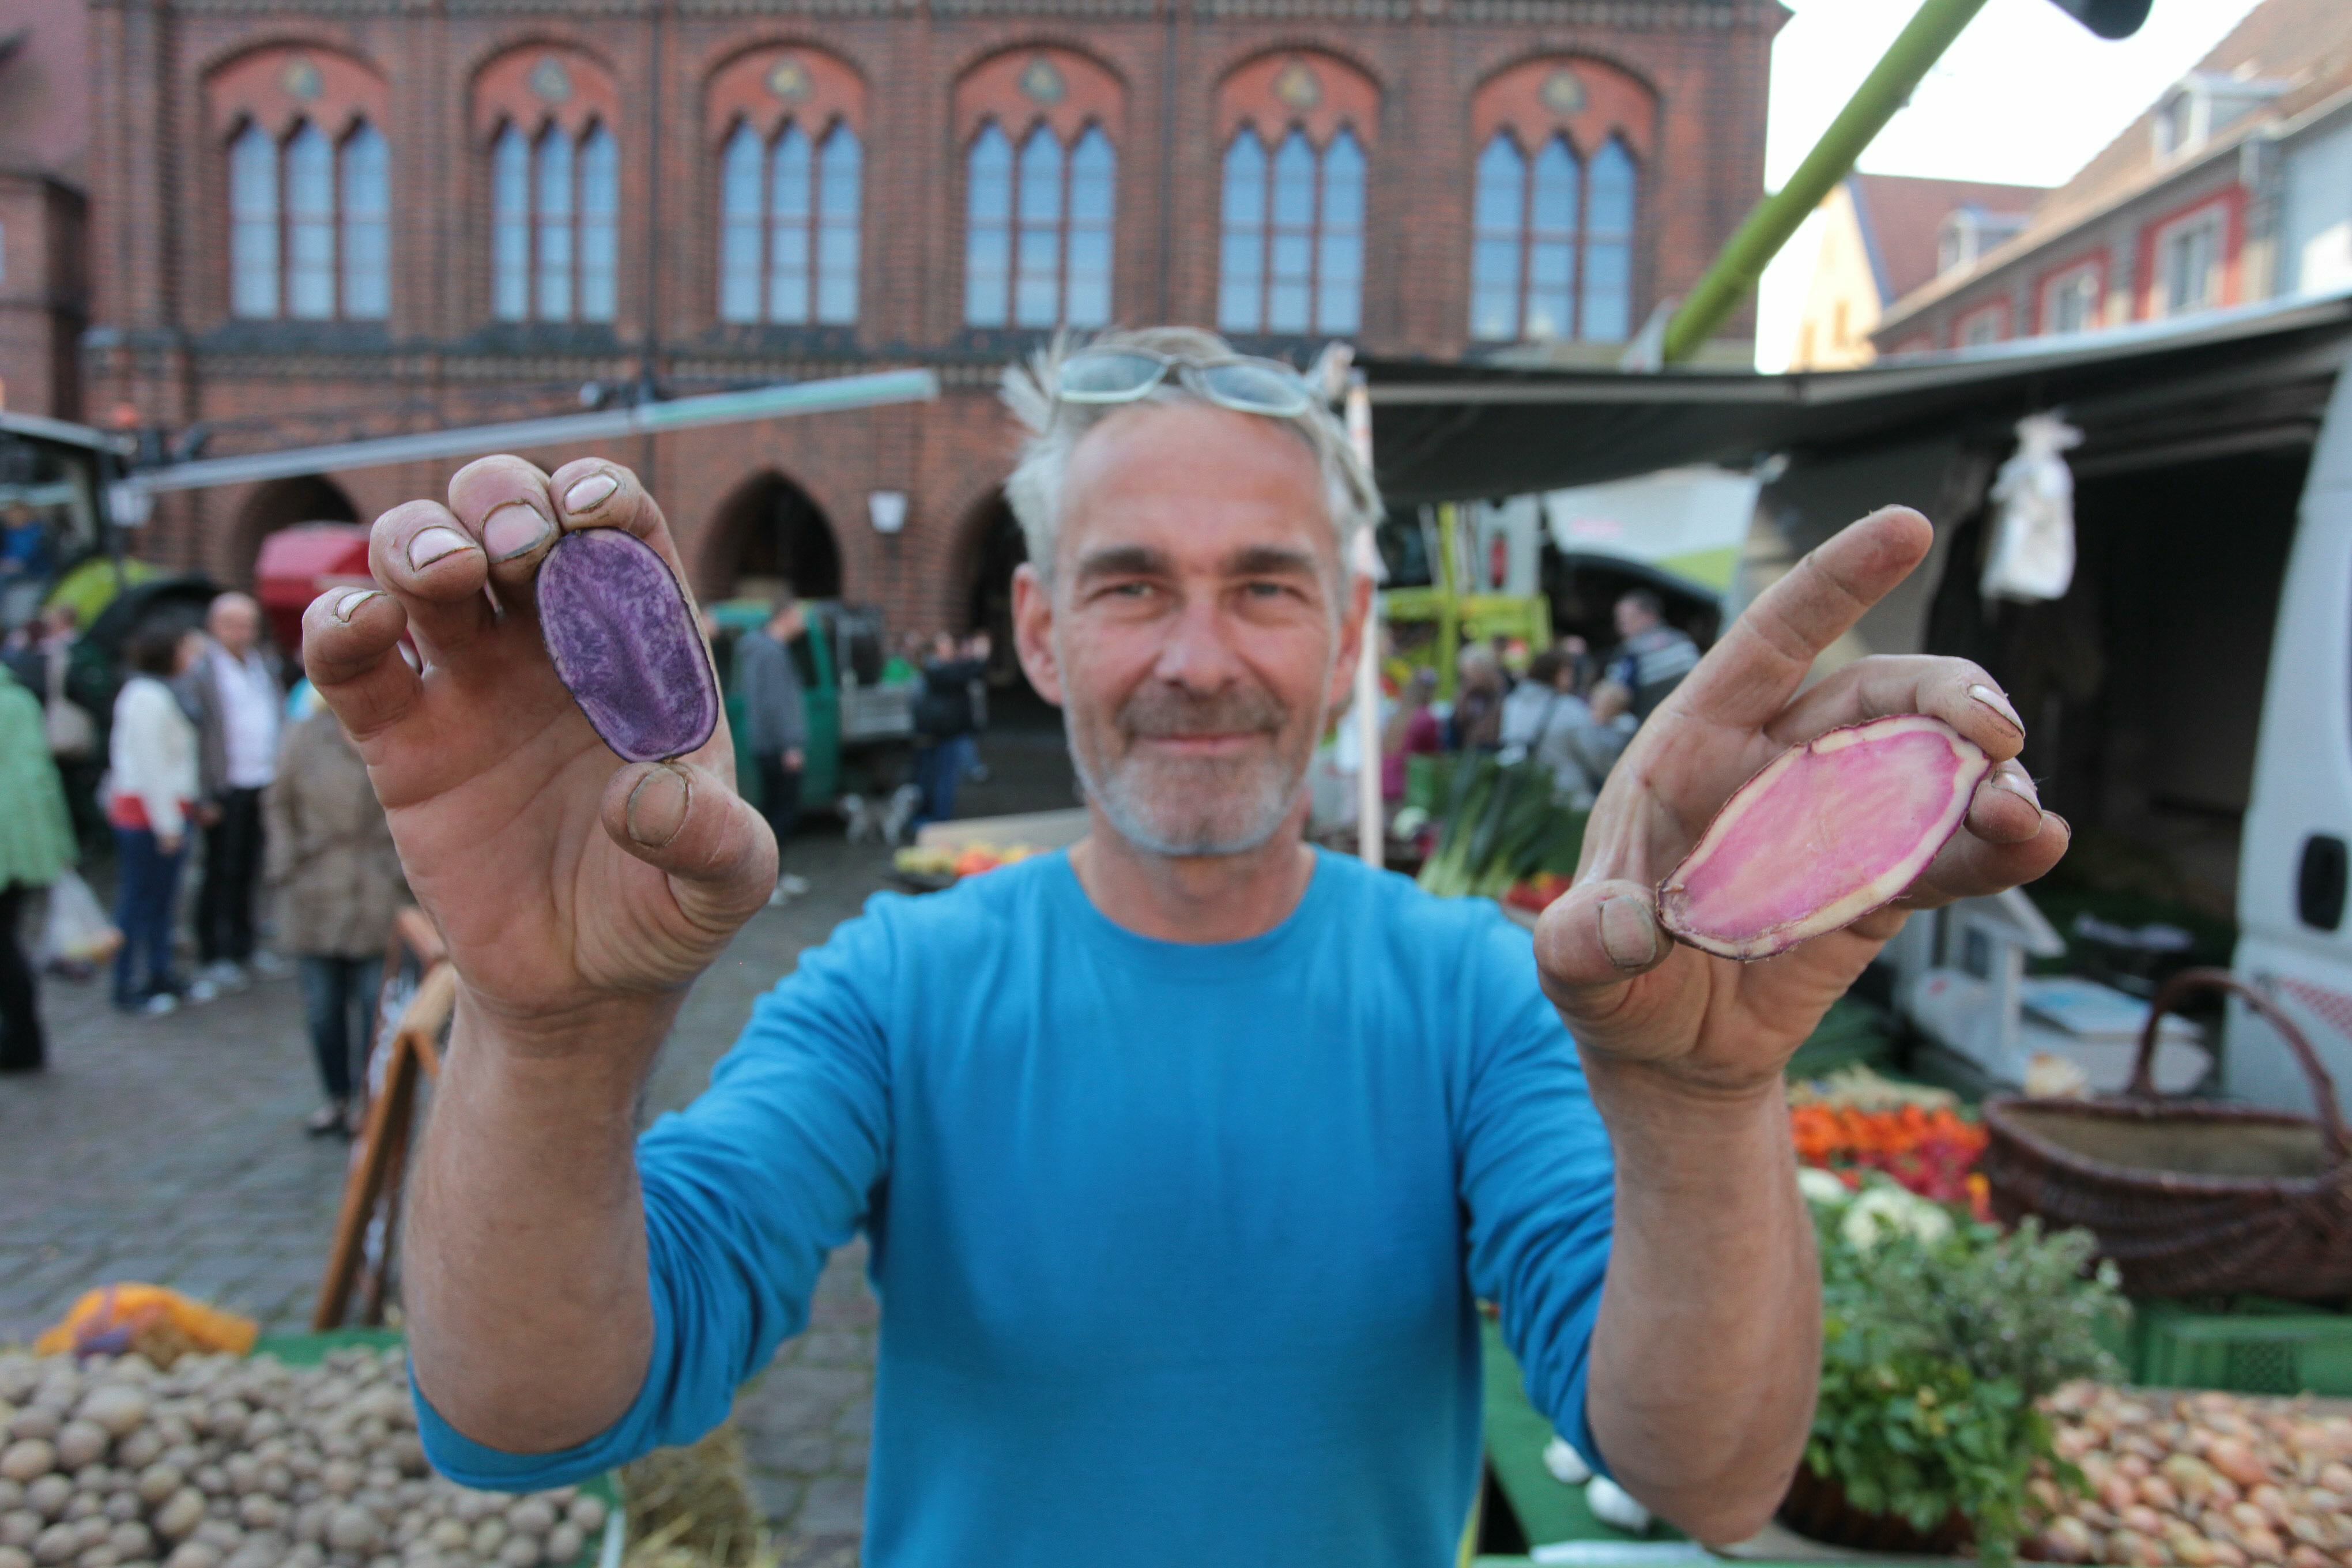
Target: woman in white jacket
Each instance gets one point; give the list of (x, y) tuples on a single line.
[(153, 752)]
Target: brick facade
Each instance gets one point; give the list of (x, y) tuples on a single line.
[(1681, 83)]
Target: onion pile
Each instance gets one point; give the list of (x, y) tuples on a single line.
[(2201, 1480), (227, 1463)]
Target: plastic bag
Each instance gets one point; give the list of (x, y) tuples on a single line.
[(2032, 554), (77, 934)]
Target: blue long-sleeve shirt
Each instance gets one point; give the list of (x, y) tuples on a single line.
[(1177, 1246)]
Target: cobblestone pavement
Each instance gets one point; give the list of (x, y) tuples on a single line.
[(171, 1152)]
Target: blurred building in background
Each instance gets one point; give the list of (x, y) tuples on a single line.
[(44, 138), (1883, 236), (324, 219), (2235, 185)]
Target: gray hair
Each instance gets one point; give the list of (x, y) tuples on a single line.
[(1054, 429)]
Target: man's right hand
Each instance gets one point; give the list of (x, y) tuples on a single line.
[(579, 895)]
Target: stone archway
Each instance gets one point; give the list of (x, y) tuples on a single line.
[(768, 535), (281, 503)]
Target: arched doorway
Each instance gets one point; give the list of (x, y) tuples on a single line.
[(282, 503), (998, 549), (769, 536)]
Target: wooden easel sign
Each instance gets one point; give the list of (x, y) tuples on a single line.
[(419, 991)]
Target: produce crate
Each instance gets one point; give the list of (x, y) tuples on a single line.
[(2258, 1347)]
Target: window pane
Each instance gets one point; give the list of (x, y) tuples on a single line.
[(1037, 278), (1496, 239), (553, 198), (600, 212), (791, 205), (739, 228), (838, 206), (1551, 242), (253, 224), (1093, 187), (309, 226), (988, 214), (1339, 260), (367, 226), (1240, 278), (1609, 209), (510, 227), (1290, 261)]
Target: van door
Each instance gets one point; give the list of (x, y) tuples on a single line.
[(2295, 927)]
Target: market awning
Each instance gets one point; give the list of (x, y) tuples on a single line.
[(1461, 432)]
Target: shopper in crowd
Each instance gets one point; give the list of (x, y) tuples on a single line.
[(1652, 656), (943, 725), (336, 879), (1531, 706), (1412, 731), (1606, 729), (1478, 699), (775, 726), (36, 844), (1187, 1153), (239, 706), (1583, 669), (45, 665), (150, 803)]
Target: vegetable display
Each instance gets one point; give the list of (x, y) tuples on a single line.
[(1930, 1152), (623, 637), (222, 1462), (1939, 1337), (1826, 833), (2201, 1480), (1500, 827)]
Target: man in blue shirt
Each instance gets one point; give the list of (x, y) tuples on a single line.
[(1184, 1155)]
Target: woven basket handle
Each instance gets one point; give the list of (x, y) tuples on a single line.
[(2189, 982)]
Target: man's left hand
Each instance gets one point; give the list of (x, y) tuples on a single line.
[(1625, 988)]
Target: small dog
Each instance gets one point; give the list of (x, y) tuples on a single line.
[(881, 821), (904, 801)]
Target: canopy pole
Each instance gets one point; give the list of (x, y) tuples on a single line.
[(1883, 93), (1371, 822)]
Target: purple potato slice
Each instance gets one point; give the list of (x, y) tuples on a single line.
[(622, 636), (1824, 834)]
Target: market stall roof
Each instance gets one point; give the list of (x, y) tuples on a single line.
[(1461, 432)]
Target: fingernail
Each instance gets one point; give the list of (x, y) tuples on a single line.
[(1999, 704), (1628, 935), (2066, 826), (515, 529), (658, 806), (433, 543), (348, 605), (590, 493), (2017, 781)]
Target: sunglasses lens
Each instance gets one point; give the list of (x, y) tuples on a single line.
[(1108, 376), (1256, 387)]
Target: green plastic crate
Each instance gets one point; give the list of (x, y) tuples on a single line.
[(2257, 1347)]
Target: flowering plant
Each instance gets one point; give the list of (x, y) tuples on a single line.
[(1930, 1152)]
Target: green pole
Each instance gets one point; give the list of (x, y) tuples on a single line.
[(1449, 602), (1886, 89)]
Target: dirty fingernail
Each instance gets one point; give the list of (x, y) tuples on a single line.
[(348, 605), (433, 543), (1628, 935), (590, 493), (515, 529), (658, 806), (2017, 781), (1999, 704)]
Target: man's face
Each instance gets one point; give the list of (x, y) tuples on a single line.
[(1199, 625), (234, 624), (1633, 617)]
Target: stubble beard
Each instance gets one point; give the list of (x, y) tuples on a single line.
[(1188, 806)]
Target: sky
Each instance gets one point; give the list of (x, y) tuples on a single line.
[(2025, 96)]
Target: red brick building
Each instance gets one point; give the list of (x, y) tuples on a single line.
[(44, 135), (322, 219)]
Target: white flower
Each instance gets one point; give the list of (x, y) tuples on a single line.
[(1885, 1209), (1820, 1187)]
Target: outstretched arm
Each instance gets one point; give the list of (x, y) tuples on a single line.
[(1707, 1350)]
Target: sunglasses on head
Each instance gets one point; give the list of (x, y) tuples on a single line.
[(1245, 385)]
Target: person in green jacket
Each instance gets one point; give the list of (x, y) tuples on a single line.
[(35, 843)]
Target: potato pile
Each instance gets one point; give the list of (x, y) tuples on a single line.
[(2201, 1480), (227, 1463)]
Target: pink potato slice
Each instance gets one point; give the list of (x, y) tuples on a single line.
[(623, 637), (1826, 834)]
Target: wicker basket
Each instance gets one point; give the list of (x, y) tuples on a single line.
[(2189, 1197)]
